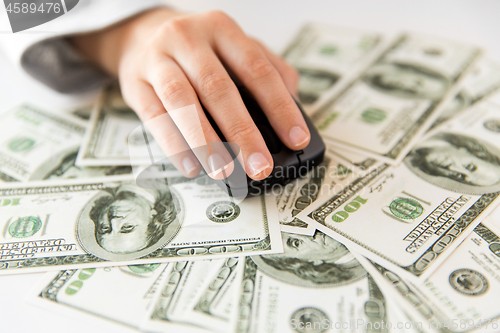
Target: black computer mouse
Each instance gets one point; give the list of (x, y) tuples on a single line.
[(288, 164)]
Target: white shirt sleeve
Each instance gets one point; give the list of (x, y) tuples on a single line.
[(44, 53)]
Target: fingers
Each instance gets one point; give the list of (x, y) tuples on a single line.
[(288, 74), (142, 98), (221, 98), (251, 65), (178, 97), (182, 66)]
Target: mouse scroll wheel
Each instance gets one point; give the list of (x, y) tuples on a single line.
[(272, 141)]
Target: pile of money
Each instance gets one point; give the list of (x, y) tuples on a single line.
[(395, 231)]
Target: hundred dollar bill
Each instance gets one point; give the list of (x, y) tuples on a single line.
[(326, 57), (406, 294), (167, 299), (196, 277), (479, 83), (173, 303), (216, 303), (92, 223), (41, 145), (410, 218), (119, 294), (38, 145), (316, 285), (108, 139), (437, 310), (386, 110), (461, 295), (329, 176), (465, 288)]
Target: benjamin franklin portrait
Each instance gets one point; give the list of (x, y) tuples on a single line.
[(406, 81), (129, 221), (312, 261), (457, 162)]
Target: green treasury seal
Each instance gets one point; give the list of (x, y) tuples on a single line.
[(20, 144), (223, 211), (25, 226), (469, 282), (406, 208)]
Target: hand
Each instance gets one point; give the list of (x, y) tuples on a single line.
[(167, 62)]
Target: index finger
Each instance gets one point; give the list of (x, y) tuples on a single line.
[(249, 63)]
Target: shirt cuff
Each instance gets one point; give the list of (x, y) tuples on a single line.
[(46, 55)]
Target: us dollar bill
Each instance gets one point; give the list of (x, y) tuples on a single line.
[(315, 285), (118, 294), (390, 106), (464, 289), (407, 295), (479, 83), (410, 218), (94, 222), (191, 284), (461, 295), (217, 301), (41, 145), (159, 318), (326, 57), (329, 176), (110, 137)]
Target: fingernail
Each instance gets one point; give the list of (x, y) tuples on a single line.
[(298, 136), (189, 164), (216, 164), (257, 163)]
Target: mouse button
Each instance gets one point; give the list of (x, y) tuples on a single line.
[(272, 141), (314, 152), (285, 158), (285, 164)]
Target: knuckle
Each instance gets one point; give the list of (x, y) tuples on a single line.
[(176, 28), (259, 68), (214, 84), (194, 134), (168, 138), (149, 112), (281, 103), (218, 16), (172, 89), (174, 25), (240, 132)]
